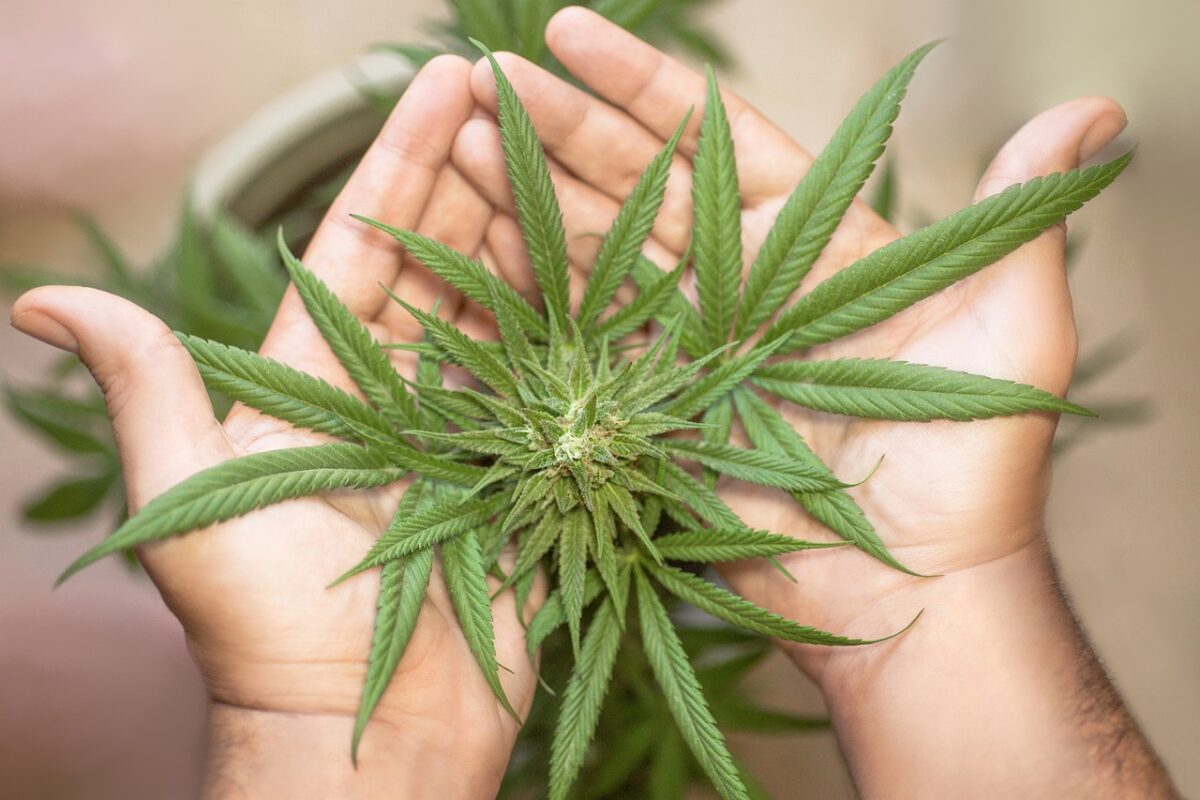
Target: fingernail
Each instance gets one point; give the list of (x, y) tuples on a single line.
[(1102, 132), (46, 328)]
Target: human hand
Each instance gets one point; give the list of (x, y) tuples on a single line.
[(996, 672), (1013, 321), (283, 658)]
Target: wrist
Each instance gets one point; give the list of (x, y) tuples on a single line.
[(992, 675), (255, 753), (1003, 601)]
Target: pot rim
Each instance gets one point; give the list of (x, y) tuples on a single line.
[(288, 142)]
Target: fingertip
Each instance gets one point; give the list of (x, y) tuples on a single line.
[(446, 65), (476, 148), (1055, 140), (483, 81), (1110, 120), (441, 88), (52, 314), (567, 22)]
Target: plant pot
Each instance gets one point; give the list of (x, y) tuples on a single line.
[(272, 169)]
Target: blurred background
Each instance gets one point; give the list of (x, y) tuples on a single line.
[(109, 108)]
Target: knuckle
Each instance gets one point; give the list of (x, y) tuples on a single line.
[(154, 348)]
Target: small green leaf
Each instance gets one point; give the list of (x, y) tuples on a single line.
[(754, 466), (70, 499), (649, 304), (898, 390), (466, 581), (718, 421), (584, 698), (717, 223), (517, 347), (551, 616), (533, 191), (624, 755), (401, 594), (713, 545), (883, 199), (406, 535), (648, 276), (746, 716), (623, 243), (283, 392), (683, 694), (729, 607), (702, 500), (604, 554), (483, 19), (242, 485), (701, 394), (249, 264), (194, 277), (362, 357), (768, 430), (535, 543), (670, 769), (622, 502), (120, 272), (721, 676), (468, 275), (72, 432), (489, 441), (652, 423), (465, 351), (433, 465), (572, 567), (642, 395)]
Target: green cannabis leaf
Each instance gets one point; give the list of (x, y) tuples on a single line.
[(402, 586), (910, 269), (594, 440), (879, 389), (717, 223), (816, 206)]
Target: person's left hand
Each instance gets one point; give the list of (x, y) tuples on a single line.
[(283, 658)]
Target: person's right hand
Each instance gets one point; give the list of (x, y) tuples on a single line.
[(949, 496), (961, 501)]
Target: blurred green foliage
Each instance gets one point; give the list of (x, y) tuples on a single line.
[(218, 280)]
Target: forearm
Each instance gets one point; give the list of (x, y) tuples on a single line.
[(993, 693), (263, 754)]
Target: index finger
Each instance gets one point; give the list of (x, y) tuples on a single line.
[(392, 183), (657, 91)]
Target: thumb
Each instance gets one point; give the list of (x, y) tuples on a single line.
[(160, 411), (1054, 141), (1025, 301)]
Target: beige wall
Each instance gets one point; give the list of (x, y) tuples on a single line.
[(1123, 510)]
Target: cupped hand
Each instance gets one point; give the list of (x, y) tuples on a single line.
[(268, 636), (949, 498)]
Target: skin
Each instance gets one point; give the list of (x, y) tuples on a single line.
[(283, 658), (994, 693)]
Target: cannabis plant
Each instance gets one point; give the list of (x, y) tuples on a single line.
[(591, 437)]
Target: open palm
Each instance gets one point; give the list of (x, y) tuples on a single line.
[(948, 497), (251, 593)]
